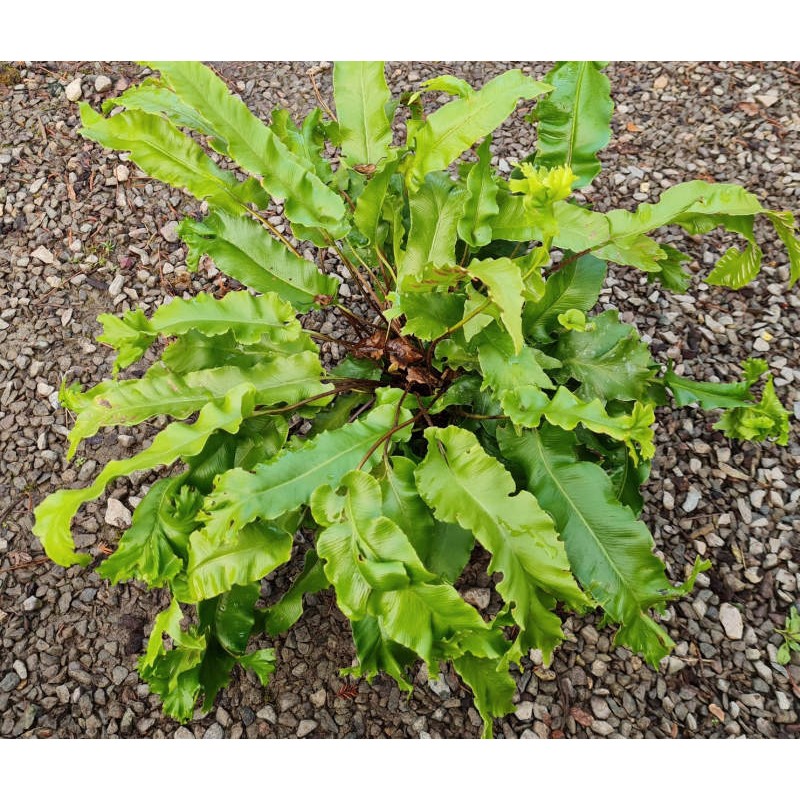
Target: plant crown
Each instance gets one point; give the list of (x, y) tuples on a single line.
[(481, 404)]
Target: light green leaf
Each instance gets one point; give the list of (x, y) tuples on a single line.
[(448, 84), (492, 686), (785, 226), (479, 315), (436, 623), (253, 552), (444, 547), (365, 554), (307, 143), (152, 96), (147, 549), (766, 420), (280, 616), (610, 360), (671, 274), (192, 351), (504, 370), (456, 126), (368, 215), (361, 94), (464, 485), (244, 250), (574, 320), (575, 286), (429, 314), (736, 268), (249, 319), (503, 280), (165, 153), (251, 143), (378, 654), (610, 552), (54, 514), (574, 119), (281, 380), (707, 394), (475, 226), (168, 622), (435, 211), (175, 673), (262, 662), (691, 198), (287, 481)]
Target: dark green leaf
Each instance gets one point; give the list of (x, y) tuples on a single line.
[(608, 358), (576, 285), (280, 616), (609, 551)]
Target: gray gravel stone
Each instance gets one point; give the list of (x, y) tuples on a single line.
[(215, 731), (30, 604), (117, 514), (524, 711), (731, 619), (9, 682), (305, 727)]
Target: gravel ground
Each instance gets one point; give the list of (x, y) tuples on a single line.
[(82, 232)]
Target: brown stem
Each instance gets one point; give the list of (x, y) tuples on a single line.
[(356, 321), (324, 338), (479, 416), (571, 260), (283, 409), (273, 230), (363, 285), (388, 435), (311, 73), (453, 329)]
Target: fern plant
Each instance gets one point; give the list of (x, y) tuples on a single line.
[(481, 403)]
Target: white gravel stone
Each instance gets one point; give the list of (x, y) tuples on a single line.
[(731, 619), (761, 345), (524, 711), (117, 514), (102, 83), (43, 254), (121, 173), (767, 100), (31, 604), (691, 501), (115, 287), (73, 91)]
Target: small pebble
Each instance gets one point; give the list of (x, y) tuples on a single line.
[(31, 604), (305, 727), (73, 90), (117, 514), (731, 619)]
